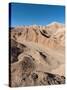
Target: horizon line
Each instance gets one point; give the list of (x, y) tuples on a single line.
[(37, 24)]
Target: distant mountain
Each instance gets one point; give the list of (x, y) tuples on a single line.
[(55, 24)]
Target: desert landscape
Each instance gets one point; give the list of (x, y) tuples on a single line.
[(37, 55)]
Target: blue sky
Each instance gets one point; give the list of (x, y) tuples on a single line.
[(29, 14)]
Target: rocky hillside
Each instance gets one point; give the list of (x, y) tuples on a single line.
[(51, 35), (37, 55)]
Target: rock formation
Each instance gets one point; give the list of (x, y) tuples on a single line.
[(37, 55)]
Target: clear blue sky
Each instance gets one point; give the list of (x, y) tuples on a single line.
[(29, 14)]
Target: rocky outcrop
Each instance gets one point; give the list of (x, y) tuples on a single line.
[(51, 36), (25, 74)]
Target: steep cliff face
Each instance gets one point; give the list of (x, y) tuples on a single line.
[(37, 55)]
